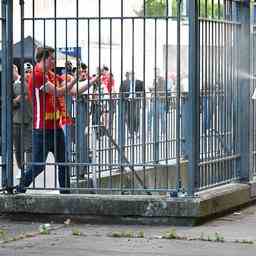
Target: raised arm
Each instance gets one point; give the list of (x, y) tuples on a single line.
[(51, 88), (82, 86)]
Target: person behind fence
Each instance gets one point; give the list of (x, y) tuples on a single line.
[(22, 117), (97, 108), (132, 90), (67, 121), (80, 93), (107, 83), (47, 134), (158, 105)]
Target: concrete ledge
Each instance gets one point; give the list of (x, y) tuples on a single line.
[(132, 209)]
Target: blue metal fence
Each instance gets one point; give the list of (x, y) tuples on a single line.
[(185, 127)]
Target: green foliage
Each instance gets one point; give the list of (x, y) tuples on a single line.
[(244, 241), (76, 232), (171, 234), (208, 10), (44, 229), (127, 234), (3, 234), (158, 8), (153, 8), (141, 234), (219, 238), (45, 232)]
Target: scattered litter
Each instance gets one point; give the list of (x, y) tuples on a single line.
[(237, 213), (67, 221)]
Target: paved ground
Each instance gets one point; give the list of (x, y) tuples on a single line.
[(234, 234)]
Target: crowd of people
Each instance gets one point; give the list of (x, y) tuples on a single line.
[(54, 105), (45, 101)]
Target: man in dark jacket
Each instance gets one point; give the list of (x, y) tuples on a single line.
[(132, 92)]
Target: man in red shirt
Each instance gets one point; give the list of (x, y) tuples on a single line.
[(45, 91)]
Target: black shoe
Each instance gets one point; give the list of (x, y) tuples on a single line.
[(20, 189), (65, 191)]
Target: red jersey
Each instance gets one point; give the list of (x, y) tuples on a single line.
[(108, 82), (46, 107)]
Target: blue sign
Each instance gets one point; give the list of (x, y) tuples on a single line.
[(71, 51)]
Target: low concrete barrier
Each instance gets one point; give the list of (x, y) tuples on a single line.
[(133, 209)]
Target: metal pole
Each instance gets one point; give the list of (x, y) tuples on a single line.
[(3, 96), (193, 113), (178, 177), (8, 95), (22, 84), (244, 90)]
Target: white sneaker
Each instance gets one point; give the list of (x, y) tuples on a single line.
[(18, 175)]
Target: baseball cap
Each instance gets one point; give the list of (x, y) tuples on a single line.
[(27, 67)]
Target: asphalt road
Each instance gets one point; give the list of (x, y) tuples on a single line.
[(234, 234)]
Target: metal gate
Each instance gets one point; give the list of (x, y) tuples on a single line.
[(220, 35), (156, 106)]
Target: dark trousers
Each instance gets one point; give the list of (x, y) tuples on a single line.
[(27, 143), (133, 115), (42, 145)]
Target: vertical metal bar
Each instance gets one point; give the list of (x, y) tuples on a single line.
[(67, 139), (77, 113), (79, 134), (22, 84), (225, 89), (111, 112), (216, 94), (178, 177), (212, 104), (3, 94), (44, 106), (201, 59), (156, 107), (167, 91), (33, 92), (55, 92), (144, 96), (92, 131), (222, 121), (220, 89), (9, 93), (207, 95), (134, 100), (244, 90), (121, 127), (99, 42), (156, 101), (251, 145), (193, 100)]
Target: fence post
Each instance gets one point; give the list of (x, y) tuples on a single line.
[(3, 98), (192, 111), (244, 91), (7, 63)]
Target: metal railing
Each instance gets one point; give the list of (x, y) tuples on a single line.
[(182, 130), (220, 31)]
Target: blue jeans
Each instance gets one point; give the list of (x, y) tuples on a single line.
[(41, 147), (157, 114), (82, 122)]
